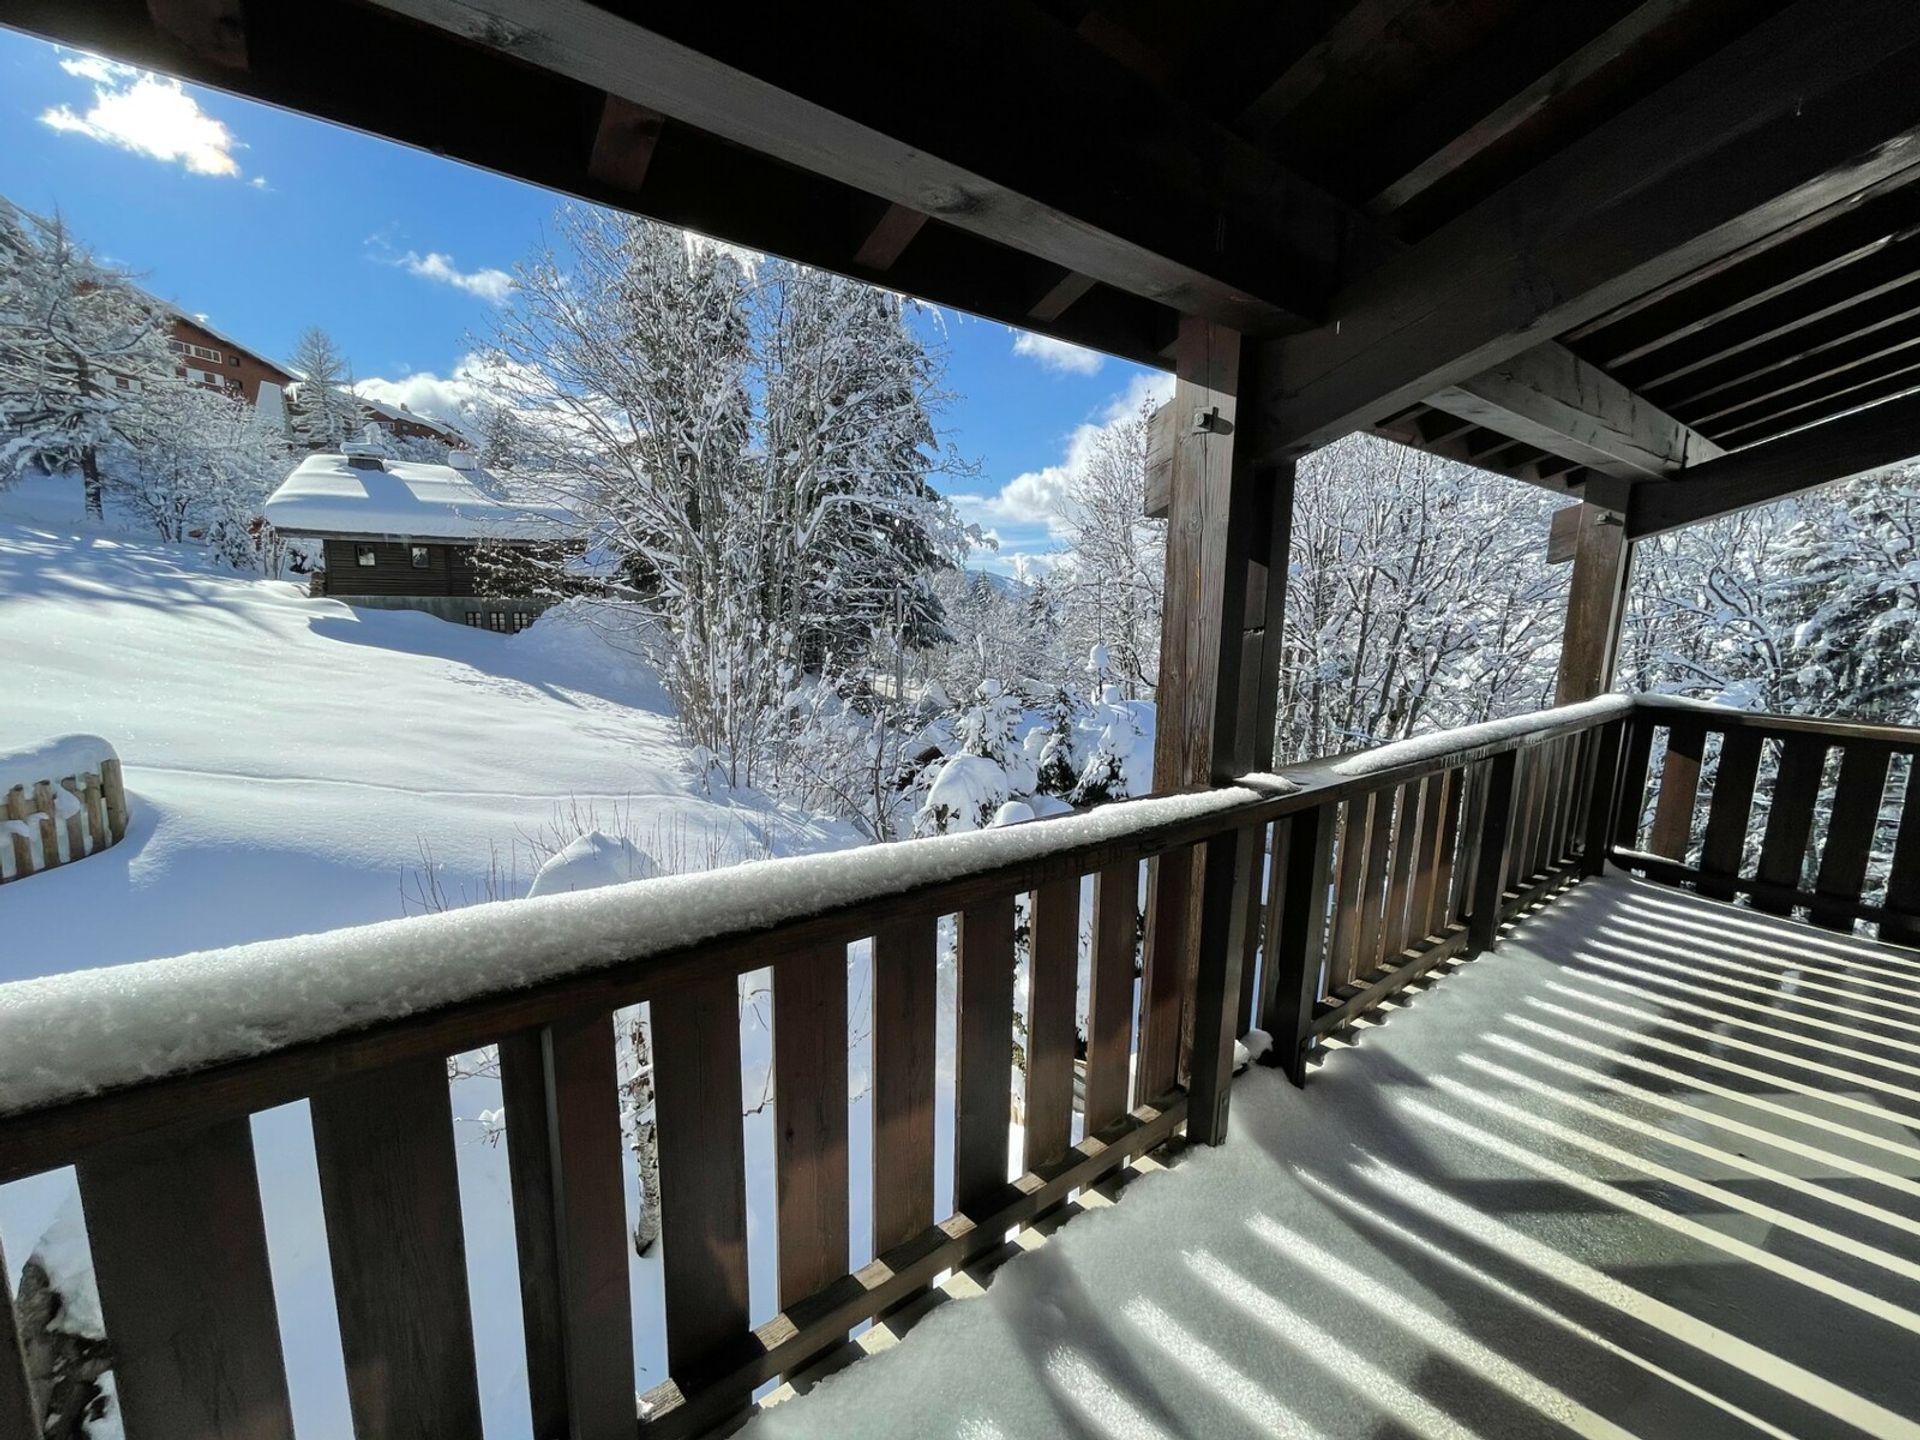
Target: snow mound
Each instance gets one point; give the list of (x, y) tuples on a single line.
[(595, 860), (53, 760)]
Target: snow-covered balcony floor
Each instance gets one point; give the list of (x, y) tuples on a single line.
[(1652, 1168)]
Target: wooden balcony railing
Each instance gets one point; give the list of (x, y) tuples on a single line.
[(1377, 867), (1791, 813)]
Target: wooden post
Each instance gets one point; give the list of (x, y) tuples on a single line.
[(77, 838), (1596, 606), (115, 790), (22, 844), (1218, 668), (49, 827)]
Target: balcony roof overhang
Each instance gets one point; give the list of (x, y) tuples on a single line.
[(1608, 249)]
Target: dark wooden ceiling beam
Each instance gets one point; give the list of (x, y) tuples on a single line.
[(1811, 106), (1892, 379), (1059, 295), (889, 238), (1855, 357), (1156, 199), (1794, 256), (1851, 445), (1551, 398), (1850, 298), (624, 143), (1612, 46)]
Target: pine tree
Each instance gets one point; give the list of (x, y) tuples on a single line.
[(81, 348), (324, 413)]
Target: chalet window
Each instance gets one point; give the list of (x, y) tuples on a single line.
[(363, 555), (422, 558)]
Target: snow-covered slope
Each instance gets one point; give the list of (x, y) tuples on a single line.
[(288, 759), (287, 762)]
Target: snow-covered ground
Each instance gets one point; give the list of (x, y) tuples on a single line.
[(290, 763), (1648, 1170)]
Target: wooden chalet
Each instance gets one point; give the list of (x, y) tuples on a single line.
[(450, 539), (1655, 255)]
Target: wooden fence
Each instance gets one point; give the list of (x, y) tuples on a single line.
[(1376, 868), (43, 833)]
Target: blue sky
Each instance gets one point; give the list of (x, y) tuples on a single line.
[(267, 222)]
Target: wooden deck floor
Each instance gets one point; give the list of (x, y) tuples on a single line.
[(1651, 1169)]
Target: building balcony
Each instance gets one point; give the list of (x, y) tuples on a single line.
[(1574, 1140)]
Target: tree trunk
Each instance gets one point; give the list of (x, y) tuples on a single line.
[(646, 1141), (95, 487)]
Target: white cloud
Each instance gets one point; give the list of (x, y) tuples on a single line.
[(490, 285), (440, 397), (258, 182), (1034, 497), (147, 114), (1057, 355)]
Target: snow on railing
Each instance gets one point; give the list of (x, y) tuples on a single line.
[(66, 1037)]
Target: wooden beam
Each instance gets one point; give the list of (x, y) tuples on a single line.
[(1160, 438), (889, 238), (1596, 606), (623, 145), (1156, 199), (1807, 108), (1550, 397), (1839, 449), (215, 30), (1624, 39), (542, 128), (1059, 295)]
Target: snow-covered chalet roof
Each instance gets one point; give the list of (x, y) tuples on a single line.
[(408, 500)]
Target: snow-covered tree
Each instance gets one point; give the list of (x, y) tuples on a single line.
[(80, 348), (1418, 599), (754, 446), (1110, 584), (322, 411)]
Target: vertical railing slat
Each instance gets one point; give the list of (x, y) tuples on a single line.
[(179, 1250), (1373, 899), (1672, 829), (906, 986), (1783, 853), (1351, 882), (1163, 979), (1447, 861), (1723, 850), (390, 1191), (1426, 865), (1296, 985), (1406, 844), (1052, 987), (983, 1059), (1526, 780), (1116, 893), (1630, 796), (1600, 803), (1231, 865), (565, 1157), (703, 1184), (536, 1228), (810, 1118), (1496, 836), (1272, 907), (1901, 925), (1253, 935), (1850, 833)]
